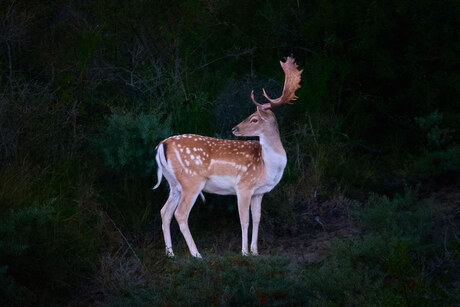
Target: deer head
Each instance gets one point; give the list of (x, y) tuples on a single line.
[(263, 120)]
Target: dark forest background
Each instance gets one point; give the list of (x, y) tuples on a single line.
[(368, 210)]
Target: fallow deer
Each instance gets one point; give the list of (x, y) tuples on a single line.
[(245, 168)]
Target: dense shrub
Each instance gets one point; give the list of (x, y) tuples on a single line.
[(440, 154), (44, 251), (388, 265), (129, 141), (18, 232)]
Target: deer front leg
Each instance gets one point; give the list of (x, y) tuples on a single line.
[(244, 200), (256, 207)]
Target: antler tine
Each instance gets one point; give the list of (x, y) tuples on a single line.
[(291, 83), (254, 100)]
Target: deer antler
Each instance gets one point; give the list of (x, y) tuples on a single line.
[(291, 84)]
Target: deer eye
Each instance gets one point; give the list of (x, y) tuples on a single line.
[(254, 120)]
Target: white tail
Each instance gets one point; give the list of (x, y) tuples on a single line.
[(248, 169), (161, 159)]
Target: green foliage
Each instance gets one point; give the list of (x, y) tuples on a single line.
[(388, 265), (18, 232), (404, 214), (221, 280), (46, 246), (193, 115), (19, 229), (440, 155), (129, 141), (235, 280), (10, 293), (435, 135), (348, 277)]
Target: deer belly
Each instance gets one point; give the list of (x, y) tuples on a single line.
[(222, 185)]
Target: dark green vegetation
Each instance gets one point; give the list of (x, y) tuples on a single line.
[(367, 213)]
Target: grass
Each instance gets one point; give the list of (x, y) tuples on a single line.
[(406, 253), (400, 258), (215, 280)]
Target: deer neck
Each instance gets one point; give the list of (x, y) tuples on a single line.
[(274, 156), (271, 144)]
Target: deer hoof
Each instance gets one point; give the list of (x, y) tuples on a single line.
[(169, 253)]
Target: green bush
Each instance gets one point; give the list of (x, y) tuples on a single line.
[(439, 155), (130, 138), (20, 229), (436, 135), (388, 265), (44, 251), (351, 276), (19, 232)]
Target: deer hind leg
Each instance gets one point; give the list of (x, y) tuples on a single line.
[(256, 202), (244, 200), (166, 215), (189, 194)]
